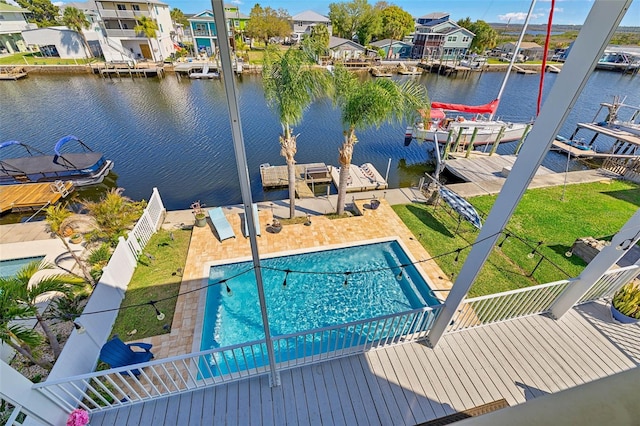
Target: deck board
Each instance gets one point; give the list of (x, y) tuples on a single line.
[(518, 360)]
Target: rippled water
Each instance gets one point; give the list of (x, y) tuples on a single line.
[(175, 135)]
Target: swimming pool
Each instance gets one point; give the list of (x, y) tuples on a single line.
[(10, 267), (314, 299)]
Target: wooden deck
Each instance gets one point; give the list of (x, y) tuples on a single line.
[(482, 167), (30, 196), (620, 135), (411, 383), (277, 177)]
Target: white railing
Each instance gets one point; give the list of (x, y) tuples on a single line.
[(119, 386), (147, 225), (610, 283), (127, 14), (504, 306), (532, 300)]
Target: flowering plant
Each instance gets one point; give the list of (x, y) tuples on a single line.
[(78, 417)]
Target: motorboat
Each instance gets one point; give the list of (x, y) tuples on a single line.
[(82, 168), (630, 123)]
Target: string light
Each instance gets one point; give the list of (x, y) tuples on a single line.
[(159, 315), (346, 279), (399, 276), (79, 327), (626, 244), (284, 283), (506, 236), (457, 255), (533, 252)]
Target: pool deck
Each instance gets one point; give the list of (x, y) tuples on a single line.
[(205, 249)]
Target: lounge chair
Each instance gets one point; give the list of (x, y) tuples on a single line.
[(256, 220), (116, 353), (222, 225)]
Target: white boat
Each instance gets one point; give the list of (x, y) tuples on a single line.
[(613, 120), (205, 73), (479, 130)]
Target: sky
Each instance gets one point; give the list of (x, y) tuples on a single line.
[(570, 12)]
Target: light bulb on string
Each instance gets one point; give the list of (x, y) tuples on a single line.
[(346, 279), (506, 236), (457, 255), (533, 252), (284, 283), (399, 276), (159, 315)]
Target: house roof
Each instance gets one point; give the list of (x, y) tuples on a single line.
[(208, 15), (135, 1), (524, 45), (4, 7), (310, 16), (337, 42), (435, 15), (387, 41)]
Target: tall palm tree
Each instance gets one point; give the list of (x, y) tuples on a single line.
[(290, 85), (370, 103), (77, 21), (24, 290), (57, 217), (148, 27)]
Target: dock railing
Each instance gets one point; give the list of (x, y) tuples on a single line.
[(119, 386)]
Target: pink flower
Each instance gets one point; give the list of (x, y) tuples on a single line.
[(78, 417)]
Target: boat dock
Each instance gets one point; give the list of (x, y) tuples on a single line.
[(361, 178), (32, 196), (119, 69), (483, 167), (306, 174), (12, 73), (520, 70)]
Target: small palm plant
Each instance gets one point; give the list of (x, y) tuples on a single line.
[(627, 300)]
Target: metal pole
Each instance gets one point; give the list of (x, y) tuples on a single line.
[(243, 175), (386, 175), (603, 19)]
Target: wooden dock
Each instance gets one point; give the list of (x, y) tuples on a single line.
[(361, 178), (32, 196), (12, 73), (481, 167), (520, 70), (311, 173)]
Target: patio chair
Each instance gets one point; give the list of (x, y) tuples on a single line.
[(256, 220), (116, 353), (222, 225)]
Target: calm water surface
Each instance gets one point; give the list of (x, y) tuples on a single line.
[(175, 135)]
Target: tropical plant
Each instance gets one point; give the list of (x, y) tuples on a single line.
[(627, 300), (370, 103), (24, 289), (178, 17), (57, 219), (290, 85), (317, 43), (148, 28), (114, 215), (76, 20)]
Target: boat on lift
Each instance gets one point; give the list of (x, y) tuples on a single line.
[(82, 168), (614, 121)]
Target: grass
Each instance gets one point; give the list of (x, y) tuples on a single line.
[(33, 59), (596, 209), (157, 277)]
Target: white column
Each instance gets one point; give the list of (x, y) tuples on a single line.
[(608, 256), (603, 19)]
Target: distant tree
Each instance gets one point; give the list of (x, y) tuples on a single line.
[(43, 12), (317, 43), (76, 20), (356, 17), (396, 23), (265, 23), (178, 17), (485, 36), (148, 28)]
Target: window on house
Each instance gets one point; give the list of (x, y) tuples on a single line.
[(449, 38), (156, 8), (465, 39), (236, 23), (201, 27), (121, 7), (160, 25), (135, 7)]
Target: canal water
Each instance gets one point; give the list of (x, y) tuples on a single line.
[(175, 135)]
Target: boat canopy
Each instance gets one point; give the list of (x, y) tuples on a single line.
[(30, 150), (9, 143), (66, 139), (489, 108)]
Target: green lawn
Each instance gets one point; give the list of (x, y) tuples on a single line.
[(157, 276), (598, 210), (32, 59)]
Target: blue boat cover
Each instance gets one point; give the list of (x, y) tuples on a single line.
[(9, 143), (62, 141), (461, 206)]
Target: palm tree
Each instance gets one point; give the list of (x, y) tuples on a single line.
[(370, 103), (77, 21), (24, 290), (290, 85), (57, 218), (148, 27)]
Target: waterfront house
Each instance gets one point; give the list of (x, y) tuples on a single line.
[(343, 49), (13, 21), (119, 19), (399, 49), (303, 22), (203, 28), (438, 37), (528, 49), (58, 42)]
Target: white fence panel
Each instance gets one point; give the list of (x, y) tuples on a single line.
[(610, 282)]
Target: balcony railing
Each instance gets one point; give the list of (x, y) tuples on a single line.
[(123, 33), (118, 387), (129, 14)]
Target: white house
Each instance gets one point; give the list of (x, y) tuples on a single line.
[(344, 49), (438, 37), (12, 22), (304, 21), (57, 41), (529, 49), (119, 19)]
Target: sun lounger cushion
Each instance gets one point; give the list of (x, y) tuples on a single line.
[(222, 225), (256, 220)]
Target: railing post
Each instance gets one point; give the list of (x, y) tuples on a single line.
[(600, 25), (621, 242)]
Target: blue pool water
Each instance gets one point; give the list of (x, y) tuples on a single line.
[(314, 299), (9, 268)]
